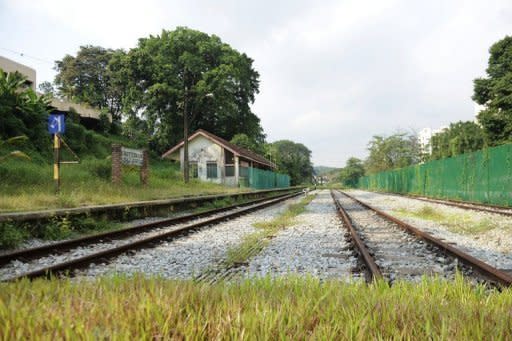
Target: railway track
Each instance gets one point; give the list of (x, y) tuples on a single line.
[(68, 256), (392, 249), (505, 211)]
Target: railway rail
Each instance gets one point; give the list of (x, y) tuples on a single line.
[(442, 255), (502, 210), (151, 237)]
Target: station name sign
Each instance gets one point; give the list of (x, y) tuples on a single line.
[(131, 157)]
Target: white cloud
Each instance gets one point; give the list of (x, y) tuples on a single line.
[(333, 73)]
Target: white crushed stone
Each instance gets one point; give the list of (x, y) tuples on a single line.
[(493, 246), (187, 257), (315, 246)]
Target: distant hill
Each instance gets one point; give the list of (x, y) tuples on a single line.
[(324, 170)]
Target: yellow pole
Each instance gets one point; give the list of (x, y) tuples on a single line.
[(56, 162)]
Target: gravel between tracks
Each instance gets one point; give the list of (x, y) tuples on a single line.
[(493, 246), (315, 246), (17, 267), (187, 257)]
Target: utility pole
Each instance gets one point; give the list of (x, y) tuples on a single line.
[(185, 137)]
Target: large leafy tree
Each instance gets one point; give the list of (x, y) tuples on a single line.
[(89, 78), (191, 72), (353, 170), (389, 152), (495, 93), (244, 141), (460, 137), (293, 159)]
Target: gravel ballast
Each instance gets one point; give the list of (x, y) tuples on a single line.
[(492, 246), (315, 246), (188, 257)]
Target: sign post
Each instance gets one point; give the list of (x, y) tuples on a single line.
[(56, 126)]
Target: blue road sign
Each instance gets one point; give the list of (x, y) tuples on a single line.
[(56, 124)]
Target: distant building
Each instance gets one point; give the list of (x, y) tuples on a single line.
[(9, 66), (214, 159), (424, 137), (89, 116)]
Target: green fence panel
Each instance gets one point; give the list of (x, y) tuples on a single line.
[(264, 179), (484, 176)]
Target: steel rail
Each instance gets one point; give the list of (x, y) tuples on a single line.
[(62, 246), (466, 205), (372, 267), (84, 261), (478, 265)]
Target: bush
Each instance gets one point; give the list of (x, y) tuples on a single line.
[(11, 235), (100, 168)]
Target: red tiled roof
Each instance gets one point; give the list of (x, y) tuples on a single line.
[(239, 151)]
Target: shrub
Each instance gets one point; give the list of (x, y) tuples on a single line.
[(11, 235)]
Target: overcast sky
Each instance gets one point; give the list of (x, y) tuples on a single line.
[(333, 73)]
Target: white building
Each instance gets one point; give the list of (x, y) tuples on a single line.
[(424, 137), (214, 159)]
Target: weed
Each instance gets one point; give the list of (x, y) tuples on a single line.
[(459, 223), (291, 308), (11, 235), (253, 243)]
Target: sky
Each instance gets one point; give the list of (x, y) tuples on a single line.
[(332, 73)]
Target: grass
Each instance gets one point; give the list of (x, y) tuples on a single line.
[(29, 185), (285, 308), (464, 223), (253, 243)]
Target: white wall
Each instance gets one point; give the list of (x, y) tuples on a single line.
[(203, 150)]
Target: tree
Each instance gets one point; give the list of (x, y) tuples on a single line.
[(89, 78), (244, 141), (460, 137), (395, 151), (47, 89), (293, 159), (353, 170), (190, 71), (495, 93)]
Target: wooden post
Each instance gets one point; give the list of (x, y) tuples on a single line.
[(116, 164)]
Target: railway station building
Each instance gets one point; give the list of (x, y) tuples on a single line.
[(213, 159)]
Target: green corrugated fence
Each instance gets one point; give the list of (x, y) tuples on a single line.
[(263, 179), (484, 176)]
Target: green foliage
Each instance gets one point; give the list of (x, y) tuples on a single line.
[(495, 93), (460, 137), (244, 141), (11, 235), (47, 89), (88, 78), (293, 159), (353, 170), (174, 72), (104, 125), (23, 113), (395, 151)]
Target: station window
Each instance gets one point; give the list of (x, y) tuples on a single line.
[(230, 170), (211, 169)]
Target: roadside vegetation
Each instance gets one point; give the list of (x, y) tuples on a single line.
[(464, 223), (253, 243), (29, 185), (264, 309)]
